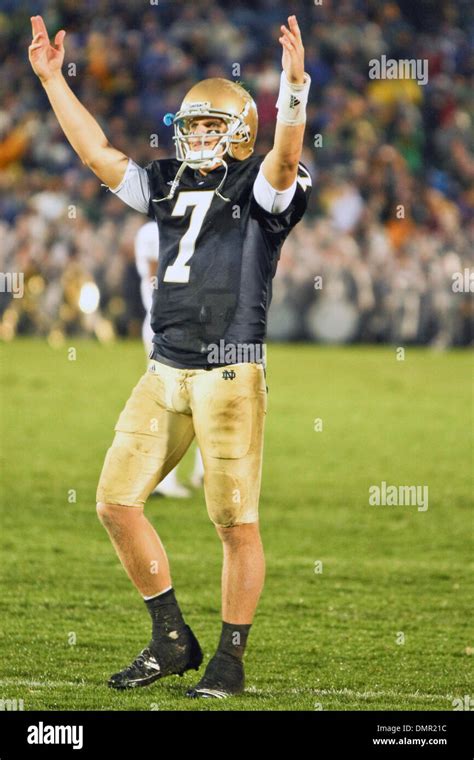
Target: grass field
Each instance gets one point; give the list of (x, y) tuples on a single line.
[(320, 640)]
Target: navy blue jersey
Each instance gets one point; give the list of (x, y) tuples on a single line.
[(217, 259)]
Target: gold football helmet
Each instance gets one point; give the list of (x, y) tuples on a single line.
[(221, 99), (225, 100)]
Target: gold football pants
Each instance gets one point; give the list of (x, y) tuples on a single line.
[(224, 407)]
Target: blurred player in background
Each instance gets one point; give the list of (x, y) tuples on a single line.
[(147, 243)]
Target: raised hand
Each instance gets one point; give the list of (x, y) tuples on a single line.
[(293, 52), (45, 58)]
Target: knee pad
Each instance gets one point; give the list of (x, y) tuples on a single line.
[(130, 470), (227, 499)]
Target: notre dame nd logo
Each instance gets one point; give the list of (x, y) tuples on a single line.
[(228, 374)]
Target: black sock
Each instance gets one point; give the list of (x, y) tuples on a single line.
[(166, 616), (234, 639)]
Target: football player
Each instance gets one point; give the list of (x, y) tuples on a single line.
[(147, 242), (223, 214)]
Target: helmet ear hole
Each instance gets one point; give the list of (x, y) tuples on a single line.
[(243, 134)]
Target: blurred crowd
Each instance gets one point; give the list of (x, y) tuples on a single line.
[(391, 219)]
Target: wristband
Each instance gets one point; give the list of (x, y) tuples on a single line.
[(292, 100)]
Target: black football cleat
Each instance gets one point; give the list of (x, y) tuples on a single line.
[(157, 661), (224, 677)]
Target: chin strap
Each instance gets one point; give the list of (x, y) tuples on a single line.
[(226, 168), (175, 183)]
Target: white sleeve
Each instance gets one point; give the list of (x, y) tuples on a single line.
[(134, 189), (146, 250), (147, 242), (273, 201)]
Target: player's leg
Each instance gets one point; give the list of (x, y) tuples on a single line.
[(150, 439), (138, 547), (197, 476), (243, 571), (169, 485), (229, 412)]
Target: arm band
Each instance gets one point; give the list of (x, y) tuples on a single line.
[(273, 201), (134, 188), (292, 101)]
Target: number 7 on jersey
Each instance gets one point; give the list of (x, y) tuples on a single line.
[(201, 200)]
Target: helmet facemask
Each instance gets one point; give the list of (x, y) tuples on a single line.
[(214, 98), (200, 156)]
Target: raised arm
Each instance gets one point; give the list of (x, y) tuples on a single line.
[(280, 166), (80, 128)]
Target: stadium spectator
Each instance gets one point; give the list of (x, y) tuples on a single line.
[(392, 215)]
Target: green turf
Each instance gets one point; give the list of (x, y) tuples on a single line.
[(319, 640)]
